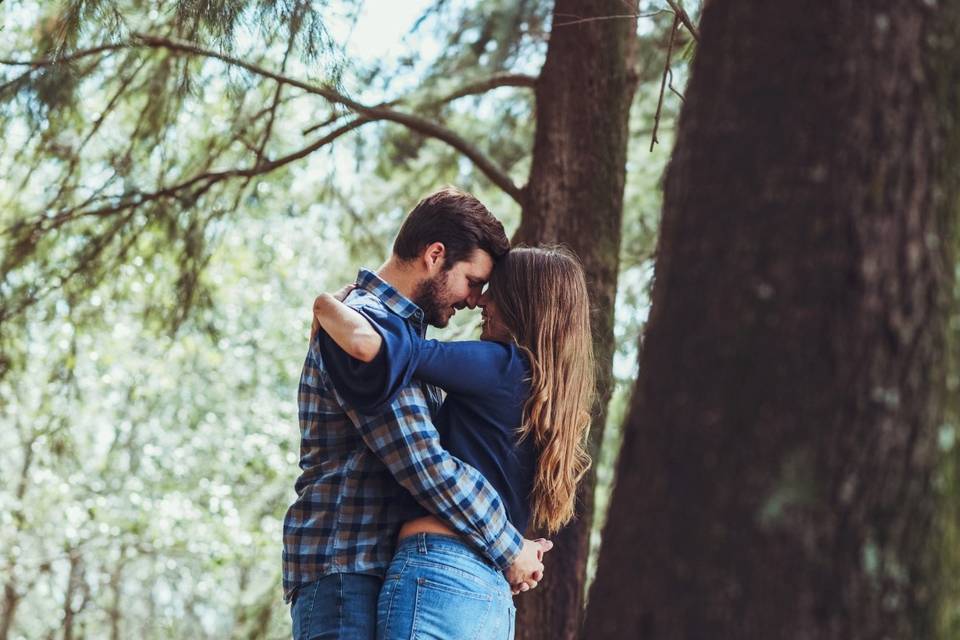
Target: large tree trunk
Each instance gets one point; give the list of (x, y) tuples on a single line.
[(575, 197), (775, 478)]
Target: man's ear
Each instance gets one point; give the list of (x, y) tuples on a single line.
[(434, 256)]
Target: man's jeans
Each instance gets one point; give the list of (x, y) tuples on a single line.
[(438, 587), (340, 605)]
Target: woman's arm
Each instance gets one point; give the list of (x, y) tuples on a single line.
[(349, 329), (465, 367)]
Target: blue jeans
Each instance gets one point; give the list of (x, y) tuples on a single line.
[(339, 605), (439, 588)]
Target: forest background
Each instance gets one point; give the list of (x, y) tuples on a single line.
[(179, 179)]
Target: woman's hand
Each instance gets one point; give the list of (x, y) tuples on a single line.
[(339, 295), (342, 293), (527, 570), (352, 332)]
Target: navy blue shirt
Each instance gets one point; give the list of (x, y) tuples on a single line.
[(487, 384)]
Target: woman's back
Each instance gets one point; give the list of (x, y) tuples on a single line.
[(487, 385)]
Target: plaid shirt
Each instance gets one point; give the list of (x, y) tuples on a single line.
[(365, 475)]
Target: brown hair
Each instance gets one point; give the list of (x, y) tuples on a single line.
[(458, 220), (541, 294)]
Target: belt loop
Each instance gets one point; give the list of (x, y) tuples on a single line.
[(422, 542)]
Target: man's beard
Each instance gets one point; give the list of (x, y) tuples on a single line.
[(429, 296)]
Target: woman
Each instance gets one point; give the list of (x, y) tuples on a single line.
[(517, 409)]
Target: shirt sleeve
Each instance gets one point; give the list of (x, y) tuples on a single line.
[(405, 439), (370, 386), (474, 367)]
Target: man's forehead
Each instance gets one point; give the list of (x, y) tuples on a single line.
[(479, 265)]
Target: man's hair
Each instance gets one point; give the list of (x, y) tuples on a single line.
[(458, 220)]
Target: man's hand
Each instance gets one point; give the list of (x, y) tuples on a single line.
[(341, 295), (527, 570)]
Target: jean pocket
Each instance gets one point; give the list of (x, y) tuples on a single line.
[(445, 611)]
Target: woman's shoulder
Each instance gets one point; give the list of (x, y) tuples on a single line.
[(506, 359)]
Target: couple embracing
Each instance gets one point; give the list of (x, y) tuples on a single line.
[(412, 502)]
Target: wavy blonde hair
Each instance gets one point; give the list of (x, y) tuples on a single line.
[(541, 295)]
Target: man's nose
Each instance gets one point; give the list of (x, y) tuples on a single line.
[(474, 299)]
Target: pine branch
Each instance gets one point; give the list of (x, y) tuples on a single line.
[(202, 183), (56, 60), (412, 122)]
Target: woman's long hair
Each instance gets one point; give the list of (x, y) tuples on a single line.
[(541, 295)]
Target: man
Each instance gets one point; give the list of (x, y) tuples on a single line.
[(364, 475)]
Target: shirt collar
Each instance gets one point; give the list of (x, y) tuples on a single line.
[(390, 297)]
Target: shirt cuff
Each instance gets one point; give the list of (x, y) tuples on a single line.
[(506, 547)]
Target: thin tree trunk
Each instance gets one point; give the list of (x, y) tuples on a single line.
[(116, 589), (775, 477), (10, 602), (74, 580), (575, 197), (11, 598)]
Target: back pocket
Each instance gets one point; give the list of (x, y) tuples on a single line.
[(448, 610)]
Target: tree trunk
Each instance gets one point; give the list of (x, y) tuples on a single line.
[(114, 614), (775, 477), (575, 197), (74, 580), (10, 602)]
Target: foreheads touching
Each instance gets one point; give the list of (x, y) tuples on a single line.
[(452, 241)]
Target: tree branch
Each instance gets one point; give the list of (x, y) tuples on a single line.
[(684, 18), (625, 16), (474, 88), (49, 62), (413, 122), (382, 112), (204, 181), (487, 84), (663, 81)]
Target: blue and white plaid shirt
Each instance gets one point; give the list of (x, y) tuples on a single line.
[(365, 475)]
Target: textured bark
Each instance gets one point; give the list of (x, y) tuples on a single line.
[(775, 477), (575, 197)]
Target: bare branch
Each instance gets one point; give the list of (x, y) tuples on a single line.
[(488, 84), (663, 80), (625, 16), (671, 87), (684, 18)]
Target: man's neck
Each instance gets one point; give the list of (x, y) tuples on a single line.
[(399, 276)]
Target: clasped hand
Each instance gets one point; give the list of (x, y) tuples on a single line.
[(527, 570)]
